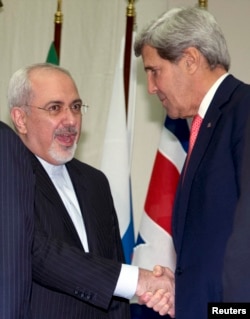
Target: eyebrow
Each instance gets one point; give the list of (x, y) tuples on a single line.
[(77, 100), (61, 102)]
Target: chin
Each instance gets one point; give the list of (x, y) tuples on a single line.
[(64, 155)]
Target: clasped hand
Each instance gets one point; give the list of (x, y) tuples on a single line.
[(156, 289)]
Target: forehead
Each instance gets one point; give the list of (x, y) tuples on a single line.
[(52, 84), (45, 76)]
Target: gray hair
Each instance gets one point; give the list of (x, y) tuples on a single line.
[(180, 28), (20, 88)]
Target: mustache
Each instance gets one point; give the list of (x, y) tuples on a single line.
[(66, 130)]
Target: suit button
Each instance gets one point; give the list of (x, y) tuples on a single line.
[(82, 295), (85, 295), (178, 271), (76, 292), (88, 296)]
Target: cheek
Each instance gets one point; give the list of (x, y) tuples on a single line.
[(40, 128), (164, 81), (164, 87)]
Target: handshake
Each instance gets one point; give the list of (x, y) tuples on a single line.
[(156, 289)]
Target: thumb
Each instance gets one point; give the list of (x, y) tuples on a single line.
[(158, 271)]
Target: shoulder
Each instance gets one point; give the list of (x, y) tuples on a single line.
[(235, 87), (89, 177), (9, 140), (6, 130), (86, 170)]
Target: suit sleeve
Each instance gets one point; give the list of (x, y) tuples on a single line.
[(16, 226), (67, 269)]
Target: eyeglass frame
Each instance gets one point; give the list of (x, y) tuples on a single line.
[(61, 107)]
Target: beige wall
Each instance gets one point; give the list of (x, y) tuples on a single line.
[(91, 35)]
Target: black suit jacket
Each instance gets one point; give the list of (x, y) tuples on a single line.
[(206, 200), (16, 226), (237, 258), (67, 282)]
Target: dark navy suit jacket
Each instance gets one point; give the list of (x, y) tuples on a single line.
[(16, 226), (67, 282), (206, 200), (237, 257)]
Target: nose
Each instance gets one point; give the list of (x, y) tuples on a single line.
[(152, 88), (69, 117)]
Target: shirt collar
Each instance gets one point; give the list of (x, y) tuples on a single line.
[(52, 169), (209, 96)]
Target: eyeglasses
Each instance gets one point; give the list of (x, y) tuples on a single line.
[(57, 108)]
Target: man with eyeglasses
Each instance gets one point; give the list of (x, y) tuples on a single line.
[(78, 263)]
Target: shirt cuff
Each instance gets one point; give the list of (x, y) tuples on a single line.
[(127, 282)]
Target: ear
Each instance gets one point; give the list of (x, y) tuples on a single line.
[(18, 116), (192, 58)]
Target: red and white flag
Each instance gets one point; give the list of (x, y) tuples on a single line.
[(154, 243)]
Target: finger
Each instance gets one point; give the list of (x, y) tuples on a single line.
[(171, 310), (164, 310), (143, 299), (168, 307), (165, 304), (156, 298)]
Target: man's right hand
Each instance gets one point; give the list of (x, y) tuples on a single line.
[(157, 289)]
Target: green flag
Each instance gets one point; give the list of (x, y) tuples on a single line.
[(52, 56)]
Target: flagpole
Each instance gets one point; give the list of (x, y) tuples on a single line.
[(130, 22), (58, 27), (203, 4)]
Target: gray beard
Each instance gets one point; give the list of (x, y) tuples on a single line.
[(61, 158)]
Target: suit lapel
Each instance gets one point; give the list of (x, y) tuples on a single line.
[(89, 215), (48, 190), (90, 207)]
